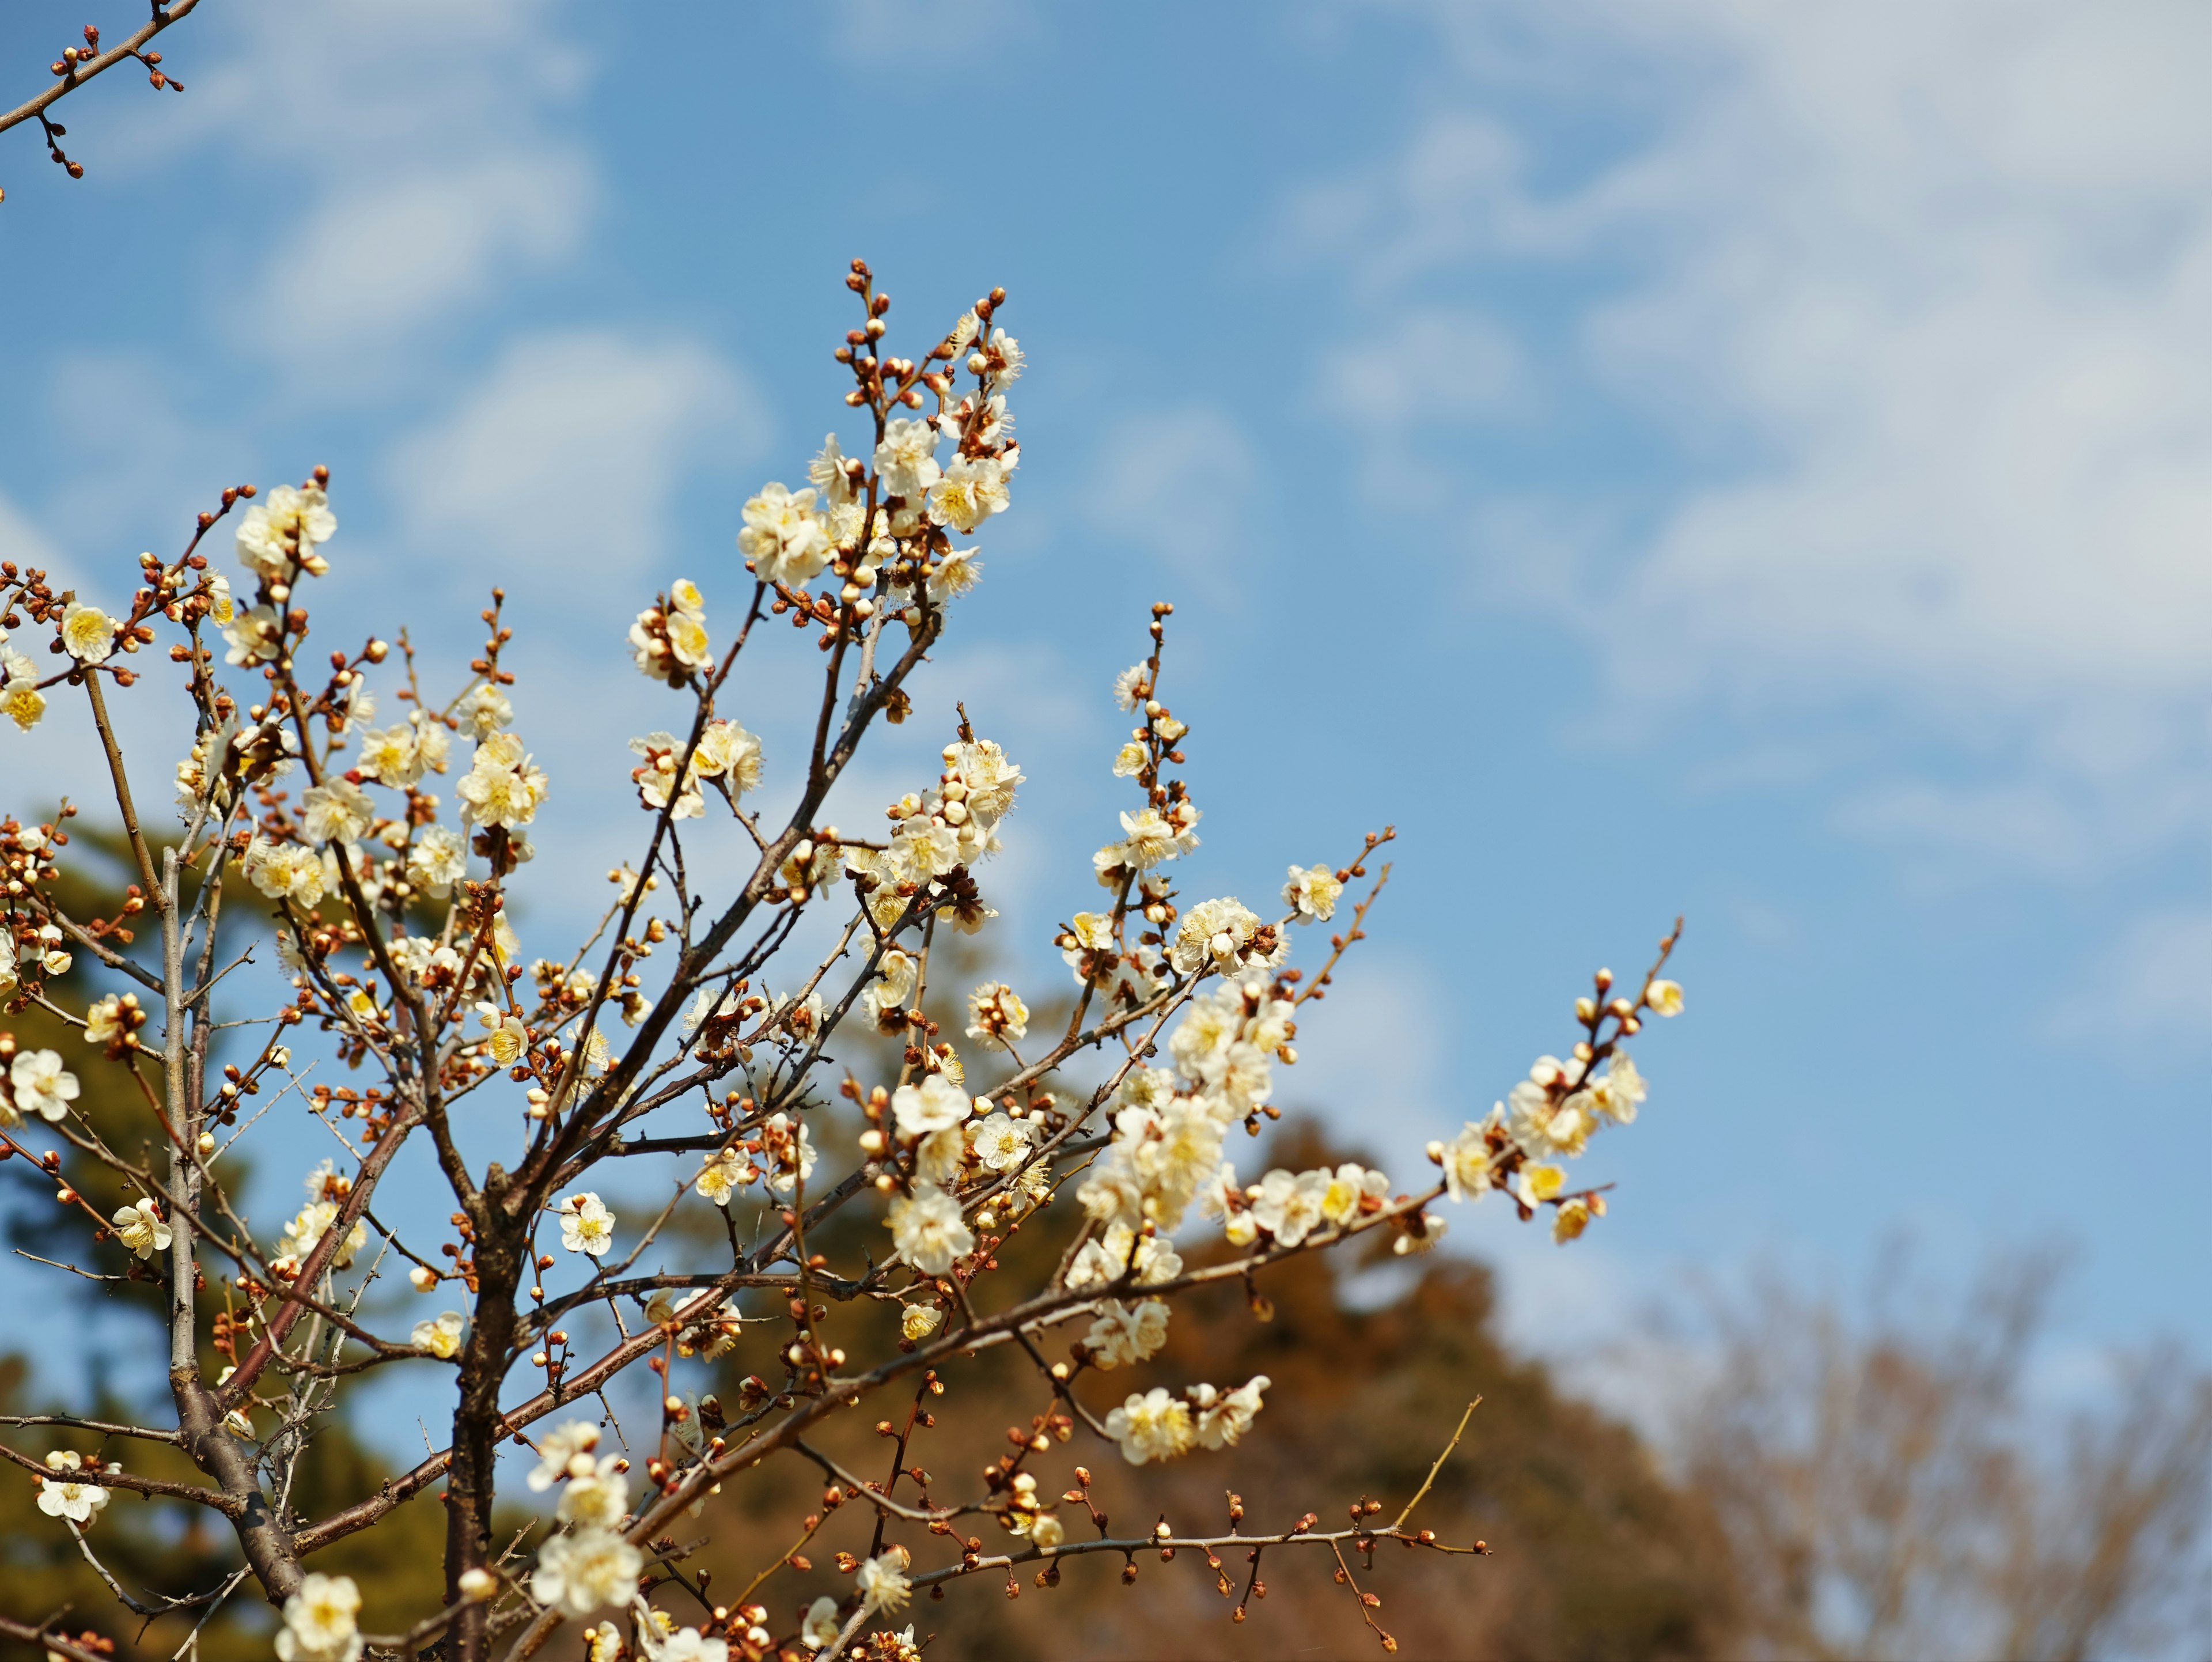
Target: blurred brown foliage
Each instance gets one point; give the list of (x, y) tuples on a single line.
[(1593, 1554)]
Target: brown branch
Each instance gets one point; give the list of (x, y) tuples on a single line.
[(85, 71)]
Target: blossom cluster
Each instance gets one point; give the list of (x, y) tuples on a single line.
[(373, 822)]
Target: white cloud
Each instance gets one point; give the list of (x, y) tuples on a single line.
[(1924, 292), (383, 259), (1178, 482), (425, 154), (568, 452), (2153, 982)]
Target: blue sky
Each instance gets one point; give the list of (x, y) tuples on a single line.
[(1697, 456)]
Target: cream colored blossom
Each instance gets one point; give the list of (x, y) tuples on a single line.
[(784, 540), (21, 700), (596, 1495), (1223, 1417), (336, 810), (505, 1037), (818, 1631), (1312, 891), (586, 1226), (1621, 1092), (1340, 1201), (392, 755), (725, 750), (502, 787), (1466, 1160), (932, 1106), (954, 575), (1151, 1425), (314, 1221), (927, 1230), (438, 859), (918, 1321), (558, 1450), (88, 633), (883, 1581), (1665, 998), (971, 491), (1122, 1335), (286, 525), (285, 871), (1214, 933), (41, 1085), (440, 1336), (906, 458), (1001, 1142), (1289, 1206), (724, 1174), (254, 636), (321, 1621), (997, 1016), (69, 1494), (585, 1572)]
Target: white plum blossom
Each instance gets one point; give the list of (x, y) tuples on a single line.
[(586, 1226), (972, 490), (69, 1494), (1122, 1335), (997, 1016), (690, 1645), (321, 1621), (883, 1581), (42, 1085), (954, 575), (1223, 1417), (1214, 933), (501, 787), (927, 1230), (932, 1106), (818, 1631), (21, 700), (314, 1221), (1620, 1091), (1121, 1250), (1353, 1183), (1288, 1204), (440, 1336), (558, 1450), (482, 711), (284, 871), (585, 1572), (794, 1156), (285, 527), (437, 860), (1150, 1426), (727, 751), (906, 458), (392, 755), (596, 1494), (1665, 998), (724, 1174), (1001, 1142), (88, 633), (1312, 892), (505, 1037), (784, 540), (140, 1227), (336, 812)]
